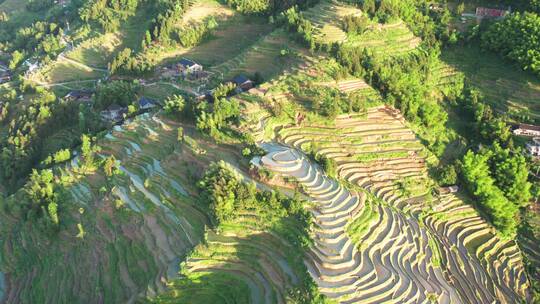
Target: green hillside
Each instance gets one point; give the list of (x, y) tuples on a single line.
[(257, 151)]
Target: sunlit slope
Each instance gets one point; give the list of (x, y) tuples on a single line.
[(377, 151), (138, 225)]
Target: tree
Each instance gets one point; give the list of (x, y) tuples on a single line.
[(88, 151), (368, 6), (511, 174), (476, 174), (448, 176), (223, 191), (115, 92), (42, 192), (460, 8), (516, 37), (174, 104), (62, 156), (180, 134), (16, 58), (109, 165)]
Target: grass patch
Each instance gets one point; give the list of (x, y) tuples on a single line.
[(506, 87), (229, 40), (65, 71)]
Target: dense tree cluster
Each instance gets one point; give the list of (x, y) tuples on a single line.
[(108, 13), (122, 93), (325, 101), (213, 118), (193, 35), (486, 126), (41, 38), (43, 194), (497, 178), (22, 149), (404, 82), (174, 105), (303, 27), (227, 194), (127, 62), (164, 24), (516, 37), (268, 7), (355, 24)]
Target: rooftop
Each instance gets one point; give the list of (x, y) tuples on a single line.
[(240, 79), (187, 62), (144, 101), (529, 127)]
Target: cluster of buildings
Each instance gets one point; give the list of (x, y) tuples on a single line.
[(114, 113), (193, 71), (533, 147), (186, 69)]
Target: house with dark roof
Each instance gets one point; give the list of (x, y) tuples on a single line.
[(114, 113), (146, 103), (527, 130), (242, 83), (206, 95), (79, 96), (188, 66)]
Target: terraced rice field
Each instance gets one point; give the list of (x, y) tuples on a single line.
[(392, 39), (326, 17), (241, 263), (377, 152), (138, 224), (352, 86)]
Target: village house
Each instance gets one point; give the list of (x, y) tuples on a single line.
[(242, 83), (170, 71), (31, 64), (206, 95), (527, 130), (484, 12), (79, 96), (189, 66), (200, 76), (533, 147), (114, 113), (146, 103)]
